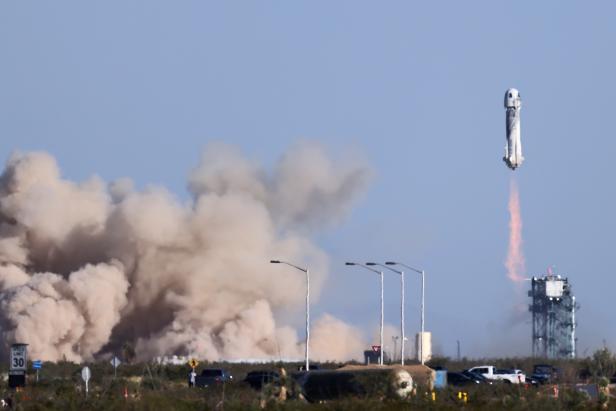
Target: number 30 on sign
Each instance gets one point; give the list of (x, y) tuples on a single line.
[(18, 357)]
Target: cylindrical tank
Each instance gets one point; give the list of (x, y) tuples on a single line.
[(426, 348)]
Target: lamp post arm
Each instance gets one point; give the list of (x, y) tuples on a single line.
[(389, 268), (294, 266), (368, 268), (305, 270), (411, 268), (423, 301), (380, 273)]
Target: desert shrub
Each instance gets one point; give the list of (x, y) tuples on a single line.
[(601, 364), (158, 387)]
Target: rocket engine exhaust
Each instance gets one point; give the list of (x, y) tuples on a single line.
[(87, 268), (515, 263)]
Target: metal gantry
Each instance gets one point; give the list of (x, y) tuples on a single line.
[(553, 310)]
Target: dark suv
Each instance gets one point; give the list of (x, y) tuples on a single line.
[(477, 377), (458, 379), (257, 379), (211, 376), (545, 374)]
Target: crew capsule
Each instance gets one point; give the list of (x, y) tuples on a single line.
[(513, 148)]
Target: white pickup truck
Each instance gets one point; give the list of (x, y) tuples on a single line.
[(493, 373)]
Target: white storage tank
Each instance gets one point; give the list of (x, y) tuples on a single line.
[(424, 350)]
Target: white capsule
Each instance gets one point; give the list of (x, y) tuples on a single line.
[(513, 149)]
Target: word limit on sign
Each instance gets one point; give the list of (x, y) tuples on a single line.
[(18, 357), (17, 363)]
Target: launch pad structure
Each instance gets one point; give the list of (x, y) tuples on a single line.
[(553, 309)]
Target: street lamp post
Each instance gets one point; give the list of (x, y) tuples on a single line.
[(395, 339), (401, 273), (423, 293), (380, 273), (307, 354)]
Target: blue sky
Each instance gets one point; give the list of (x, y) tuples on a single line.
[(138, 88)]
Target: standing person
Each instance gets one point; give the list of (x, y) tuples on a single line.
[(192, 376)]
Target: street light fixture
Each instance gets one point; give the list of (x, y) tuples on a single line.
[(307, 307), (401, 273), (423, 289), (380, 273)]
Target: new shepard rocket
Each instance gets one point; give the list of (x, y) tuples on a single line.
[(513, 149)]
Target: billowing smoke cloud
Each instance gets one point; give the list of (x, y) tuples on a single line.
[(515, 263), (335, 340), (87, 267)]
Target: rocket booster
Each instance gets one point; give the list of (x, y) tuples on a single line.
[(513, 149)]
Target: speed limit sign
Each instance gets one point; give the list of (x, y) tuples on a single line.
[(19, 357)]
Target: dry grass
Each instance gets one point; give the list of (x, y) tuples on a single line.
[(165, 388)]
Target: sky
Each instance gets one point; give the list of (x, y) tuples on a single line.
[(416, 89)]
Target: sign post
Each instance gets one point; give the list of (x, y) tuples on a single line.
[(192, 376), (115, 362), (18, 362), (85, 376), (37, 365)]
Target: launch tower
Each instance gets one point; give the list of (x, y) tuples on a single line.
[(553, 308)]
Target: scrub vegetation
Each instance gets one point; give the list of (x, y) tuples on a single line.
[(155, 387)]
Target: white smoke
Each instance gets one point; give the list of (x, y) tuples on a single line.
[(334, 340), (87, 267)]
